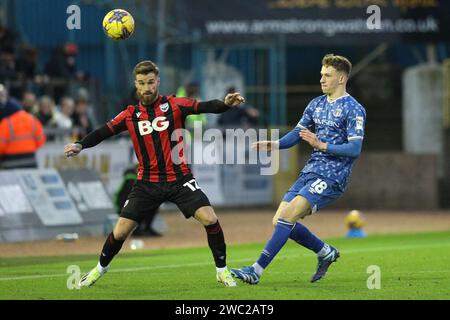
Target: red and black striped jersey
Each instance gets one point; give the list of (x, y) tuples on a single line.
[(152, 131)]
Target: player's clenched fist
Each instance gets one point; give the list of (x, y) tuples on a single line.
[(72, 149), (233, 99)]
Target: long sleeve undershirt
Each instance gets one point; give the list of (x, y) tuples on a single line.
[(212, 106), (351, 149), (95, 137), (290, 139)]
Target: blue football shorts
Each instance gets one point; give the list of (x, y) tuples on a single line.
[(318, 190)]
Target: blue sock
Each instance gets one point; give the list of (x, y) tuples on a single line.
[(306, 238), (279, 238)]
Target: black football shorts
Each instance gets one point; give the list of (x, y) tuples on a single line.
[(147, 196)]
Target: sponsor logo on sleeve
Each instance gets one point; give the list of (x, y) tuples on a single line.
[(359, 123)]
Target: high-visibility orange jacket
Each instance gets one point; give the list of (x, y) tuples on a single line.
[(21, 134)]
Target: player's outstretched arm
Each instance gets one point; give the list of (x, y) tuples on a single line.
[(287, 141), (290, 139), (265, 145), (217, 106), (91, 140)]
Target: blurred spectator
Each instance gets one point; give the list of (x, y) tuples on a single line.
[(63, 116), (46, 115), (62, 63), (243, 116), (21, 134), (83, 97), (20, 67), (7, 66), (27, 62), (8, 105), (62, 66), (191, 91), (29, 102), (7, 39), (46, 110), (83, 119)]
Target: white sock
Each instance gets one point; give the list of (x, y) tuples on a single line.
[(258, 269), (324, 251), (102, 269), (221, 269)]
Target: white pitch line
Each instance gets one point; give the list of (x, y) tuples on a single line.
[(34, 277), (407, 247)]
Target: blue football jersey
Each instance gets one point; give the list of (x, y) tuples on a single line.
[(336, 122)]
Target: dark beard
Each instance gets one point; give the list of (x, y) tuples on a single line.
[(149, 99)]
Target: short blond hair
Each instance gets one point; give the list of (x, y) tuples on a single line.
[(340, 63)]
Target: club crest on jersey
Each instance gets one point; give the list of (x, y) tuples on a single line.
[(164, 107), (337, 113)]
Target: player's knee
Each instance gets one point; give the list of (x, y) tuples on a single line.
[(120, 235), (206, 216), (123, 230), (275, 220), (287, 214), (209, 220)]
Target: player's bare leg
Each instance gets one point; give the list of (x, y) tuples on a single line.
[(285, 219), (300, 205), (283, 204), (286, 213), (292, 211), (216, 241), (123, 228), (206, 216), (298, 209)]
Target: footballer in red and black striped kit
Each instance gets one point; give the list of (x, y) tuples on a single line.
[(152, 124), (151, 129)]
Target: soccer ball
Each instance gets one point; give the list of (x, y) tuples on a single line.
[(118, 24)]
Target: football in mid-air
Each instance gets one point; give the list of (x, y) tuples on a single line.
[(118, 24)]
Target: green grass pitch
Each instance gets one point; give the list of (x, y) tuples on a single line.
[(412, 266)]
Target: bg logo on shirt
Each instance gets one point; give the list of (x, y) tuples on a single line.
[(158, 124)]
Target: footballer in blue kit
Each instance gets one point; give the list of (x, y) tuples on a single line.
[(333, 124)]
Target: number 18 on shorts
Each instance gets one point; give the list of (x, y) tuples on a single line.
[(319, 191)]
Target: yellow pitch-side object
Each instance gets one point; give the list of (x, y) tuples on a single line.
[(118, 24), (354, 220)]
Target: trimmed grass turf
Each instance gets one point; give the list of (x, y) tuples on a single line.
[(413, 266)]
